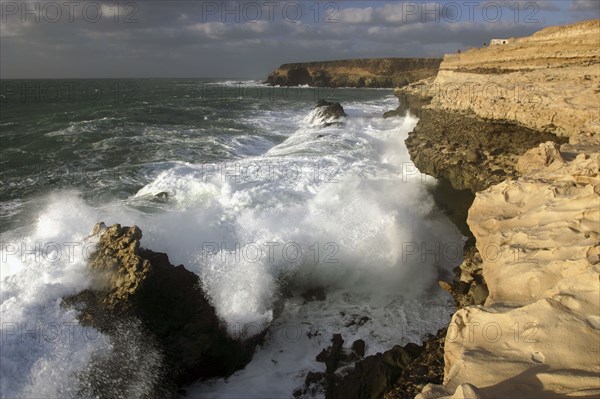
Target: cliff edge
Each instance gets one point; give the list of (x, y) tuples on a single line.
[(373, 72), (549, 82), (518, 124)]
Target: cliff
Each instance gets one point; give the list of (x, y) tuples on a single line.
[(548, 82), (518, 124), (375, 72)]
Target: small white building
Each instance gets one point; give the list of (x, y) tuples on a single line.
[(495, 42)]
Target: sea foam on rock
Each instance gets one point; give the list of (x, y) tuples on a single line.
[(138, 286), (326, 113)]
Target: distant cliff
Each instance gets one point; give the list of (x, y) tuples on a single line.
[(368, 72)]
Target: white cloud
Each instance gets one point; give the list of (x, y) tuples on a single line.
[(585, 5), (356, 15)]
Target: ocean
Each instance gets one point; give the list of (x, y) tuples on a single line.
[(243, 185)]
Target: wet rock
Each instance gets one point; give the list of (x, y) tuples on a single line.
[(374, 375), (358, 347), (347, 376), (313, 378), (392, 113), (331, 109), (163, 197), (136, 284), (327, 113), (427, 367)]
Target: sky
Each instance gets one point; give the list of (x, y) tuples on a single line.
[(249, 39)]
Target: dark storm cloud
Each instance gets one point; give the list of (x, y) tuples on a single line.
[(248, 39)]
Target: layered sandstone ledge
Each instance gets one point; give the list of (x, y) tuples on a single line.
[(548, 82), (371, 72), (537, 334), (536, 215)]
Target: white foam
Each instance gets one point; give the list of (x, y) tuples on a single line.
[(349, 196)]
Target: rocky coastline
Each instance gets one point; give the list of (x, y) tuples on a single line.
[(527, 289), (528, 158), (527, 169), (372, 73)]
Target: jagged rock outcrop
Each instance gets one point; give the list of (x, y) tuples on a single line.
[(141, 286), (349, 375), (326, 113), (469, 287), (375, 72), (412, 97)]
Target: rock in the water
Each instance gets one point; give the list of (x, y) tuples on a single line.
[(163, 196), (139, 284), (358, 347), (327, 113), (392, 113), (347, 376), (332, 109)]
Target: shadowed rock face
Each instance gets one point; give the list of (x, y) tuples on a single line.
[(136, 284), (396, 373), (468, 151), (376, 72)]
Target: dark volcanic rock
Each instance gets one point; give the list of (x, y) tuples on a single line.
[(374, 375), (470, 152), (425, 368), (327, 113), (139, 285), (298, 76), (331, 109), (370, 377), (358, 347)]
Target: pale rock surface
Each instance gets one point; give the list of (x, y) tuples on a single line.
[(538, 334), (549, 81), (464, 391)]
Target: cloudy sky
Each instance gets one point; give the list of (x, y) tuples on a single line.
[(248, 39)]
